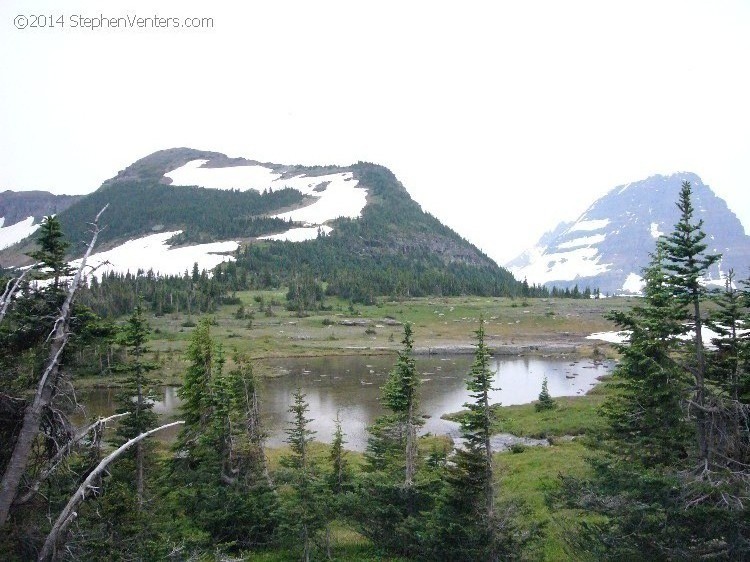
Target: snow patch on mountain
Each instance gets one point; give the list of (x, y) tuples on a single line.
[(585, 241), (633, 284), (595, 224), (153, 252), (655, 232), (232, 177), (299, 234), (9, 235), (341, 198), (333, 195), (580, 262)]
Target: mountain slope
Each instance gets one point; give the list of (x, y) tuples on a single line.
[(348, 226), (609, 244), (22, 211)]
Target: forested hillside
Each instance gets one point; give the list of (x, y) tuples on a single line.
[(393, 247)]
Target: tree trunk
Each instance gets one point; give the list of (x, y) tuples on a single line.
[(139, 452), (68, 514), (489, 489), (30, 428), (411, 448), (700, 384)]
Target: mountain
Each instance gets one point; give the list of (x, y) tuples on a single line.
[(22, 211), (609, 244), (355, 228)]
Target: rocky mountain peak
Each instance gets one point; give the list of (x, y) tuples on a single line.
[(609, 244)]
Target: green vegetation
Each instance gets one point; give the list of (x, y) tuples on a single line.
[(651, 465), (545, 402)]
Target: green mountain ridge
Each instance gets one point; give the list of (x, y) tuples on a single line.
[(394, 247)]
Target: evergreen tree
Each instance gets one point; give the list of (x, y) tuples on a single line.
[(400, 396), (304, 510), (546, 402), (466, 525), (646, 415), (51, 252), (476, 425), (135, 399), (686, 263), (340, 473), (727, 320), (216, 482), (664, 494)]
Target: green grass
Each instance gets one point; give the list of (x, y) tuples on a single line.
[(574, 415), (346, 545), (528, 477), (436, 321)]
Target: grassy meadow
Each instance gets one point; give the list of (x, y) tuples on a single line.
[(265, 329)]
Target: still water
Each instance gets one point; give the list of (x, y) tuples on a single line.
[(350, 387)]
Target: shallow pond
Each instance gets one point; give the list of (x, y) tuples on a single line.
[(350, 386)]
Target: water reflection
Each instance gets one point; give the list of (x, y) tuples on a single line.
[(350, 386)]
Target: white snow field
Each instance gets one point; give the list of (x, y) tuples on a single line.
[(611, 337), (234, 177), (585, 241), (153, 252), (299, 234), (580, 262), (633, 284), (336, 195), (586, 225), (341, 198), (9, 235)]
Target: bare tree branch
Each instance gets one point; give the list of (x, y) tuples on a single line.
[(10, 290), (31, 422), (60, 455), (68, 514)]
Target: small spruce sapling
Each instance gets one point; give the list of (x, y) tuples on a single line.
[(546, 402)]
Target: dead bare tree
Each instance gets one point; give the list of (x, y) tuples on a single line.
[(45, 389), (68, 514), (10, 291), (61, 454)]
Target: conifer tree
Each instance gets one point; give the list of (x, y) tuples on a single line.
[(466, 526), (727, 320), (305, 509), (225, 496), (546, 402), (686, 263), (664, 494), (400, 396), (476, 425), (647, 419), (340, 476), (134, 337), (51, 252)]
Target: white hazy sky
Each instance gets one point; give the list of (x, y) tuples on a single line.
[(500, 118)]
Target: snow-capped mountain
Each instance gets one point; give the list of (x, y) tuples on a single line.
[(22, 212), (351, 226), (609, 244)]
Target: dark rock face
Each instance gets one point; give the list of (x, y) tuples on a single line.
[(16, 206), (609, 244)]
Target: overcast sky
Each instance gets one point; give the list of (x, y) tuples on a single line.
[(500, 118)]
